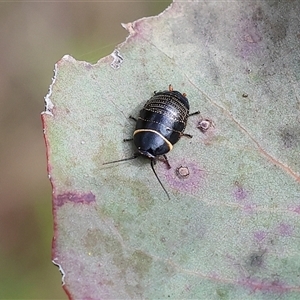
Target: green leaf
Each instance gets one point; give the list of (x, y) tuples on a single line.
[(230, 229)]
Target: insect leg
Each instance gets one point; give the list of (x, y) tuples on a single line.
[(131, 139), (166, 161), (133, 118), (194, 113), (186, 135)]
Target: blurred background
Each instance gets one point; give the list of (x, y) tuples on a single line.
[(33, 37)]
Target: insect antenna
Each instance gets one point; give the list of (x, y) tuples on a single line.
[(152, 167), (135, 155)]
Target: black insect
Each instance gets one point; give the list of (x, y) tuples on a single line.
[(160, 125)]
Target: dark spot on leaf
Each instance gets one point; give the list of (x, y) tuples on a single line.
[(278, 30), (254, 262), (141, 263), (290, 137), (163, 239), (258, 14), (61, 199), (222, 293), (256, 259)]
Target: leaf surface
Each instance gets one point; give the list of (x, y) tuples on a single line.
[(231, 227)]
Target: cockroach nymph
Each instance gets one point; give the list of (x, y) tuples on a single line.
[(160, 125)]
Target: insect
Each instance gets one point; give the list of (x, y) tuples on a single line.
[(160, 125)]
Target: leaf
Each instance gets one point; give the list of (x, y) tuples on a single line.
[(231, 227)]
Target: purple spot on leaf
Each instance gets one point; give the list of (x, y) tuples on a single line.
[(249, 39), (295, 209), (260, 235), (184, 175), (285, 229), (249, 208), (61, 199), (239, 193)]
